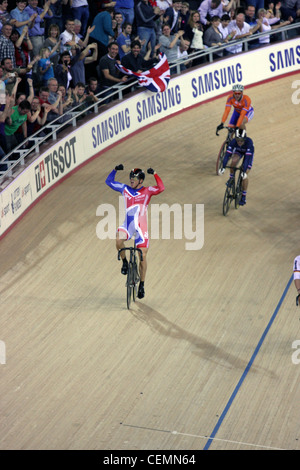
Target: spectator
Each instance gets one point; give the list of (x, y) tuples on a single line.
[(169, 44), (23, 46), (68, 37), (126, 7), (213, 37), (66, 98), (80, 59), (223, 27), (62, 71), (182, 53), (57, 17), (7, 48), (55, 99), (93, 86), (17, 119), (184, 15), (194, 32), (118, 20), (256, 3), (22, 17), (14, 72), (45, 65), (37, 32), (77, 28), (135, 61), (81, 98), (34, 121), (52, 40), (268, 24), (102, 31), (172, 16), (290, 9), (5, 16), (109, 74), (124, 39), (81, 12), (242, 30), (210, 8), (146, 16), (5, 112)]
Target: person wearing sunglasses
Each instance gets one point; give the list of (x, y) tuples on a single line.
[(137, 198), (243, 110)]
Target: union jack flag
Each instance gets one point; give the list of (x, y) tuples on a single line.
[(155, 79)]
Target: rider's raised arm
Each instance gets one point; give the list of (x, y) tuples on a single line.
[(115, 185)]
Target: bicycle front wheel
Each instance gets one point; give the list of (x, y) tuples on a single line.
[(135, 281), (228, 197), (222, 153)]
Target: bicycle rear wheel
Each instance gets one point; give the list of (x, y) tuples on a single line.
[(135, 281), (129, 284), (228, 197), (222, 153)]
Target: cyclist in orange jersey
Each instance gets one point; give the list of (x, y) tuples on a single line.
[(243, 110)]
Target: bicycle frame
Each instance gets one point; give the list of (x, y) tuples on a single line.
[(133, 277)]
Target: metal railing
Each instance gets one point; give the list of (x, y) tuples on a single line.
[(16, 159)]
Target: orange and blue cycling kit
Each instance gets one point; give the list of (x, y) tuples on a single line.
[(136, 206), (242, 109)]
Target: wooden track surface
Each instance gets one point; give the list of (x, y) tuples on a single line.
[(188, 361)]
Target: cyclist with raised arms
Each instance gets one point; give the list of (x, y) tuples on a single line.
[(240, 146), (137, 198), (243, 111)]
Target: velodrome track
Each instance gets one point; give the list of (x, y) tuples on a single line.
[(206, 360)]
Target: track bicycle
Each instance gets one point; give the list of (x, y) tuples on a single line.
[(133, 277), (223, 149), (233, 191)]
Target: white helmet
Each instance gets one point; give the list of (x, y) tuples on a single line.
[(238, 87), (240, 134)]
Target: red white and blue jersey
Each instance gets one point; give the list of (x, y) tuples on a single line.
[(296, 267), (136, 206)]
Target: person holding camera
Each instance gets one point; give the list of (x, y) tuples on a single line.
[(137, 198)]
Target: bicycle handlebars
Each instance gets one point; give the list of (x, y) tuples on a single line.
[(131, 248)]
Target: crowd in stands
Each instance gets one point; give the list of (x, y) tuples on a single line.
[(58, 54)]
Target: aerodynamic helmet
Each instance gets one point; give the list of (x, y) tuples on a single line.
[(240, 134), (238, 87), (137, 173)]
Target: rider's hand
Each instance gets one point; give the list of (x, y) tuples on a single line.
[(119, 167), (150, 171), (220, 126)]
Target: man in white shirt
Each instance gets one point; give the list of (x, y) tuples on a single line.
[(241, 30)]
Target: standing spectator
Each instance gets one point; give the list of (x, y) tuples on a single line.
[(93, 86), (117, 24), (213, 36), (37, 32), (268, 24), (55, 99), (17, 119), (62, 70), (223, 27), (77, 28), (57, 17), (146, 16), (124, 39), (109, 74), (135, 61), (194, 32), (210, 8), (7, 48), (242, 30), (126, 7), (102, 30), (172, 16), (256, 3), (169, 43), (69, 38), (81, 12), (184, 15), (80, 58), (22, 17), (23, 46), (164, 4), (182, 53), (34, 121), (5, 16), (52, 40), (45, 65), (81, 98)]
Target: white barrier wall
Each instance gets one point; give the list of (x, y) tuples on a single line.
[(138, 111)]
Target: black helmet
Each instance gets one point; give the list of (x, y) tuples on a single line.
[(240, 134), (137, 173)]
